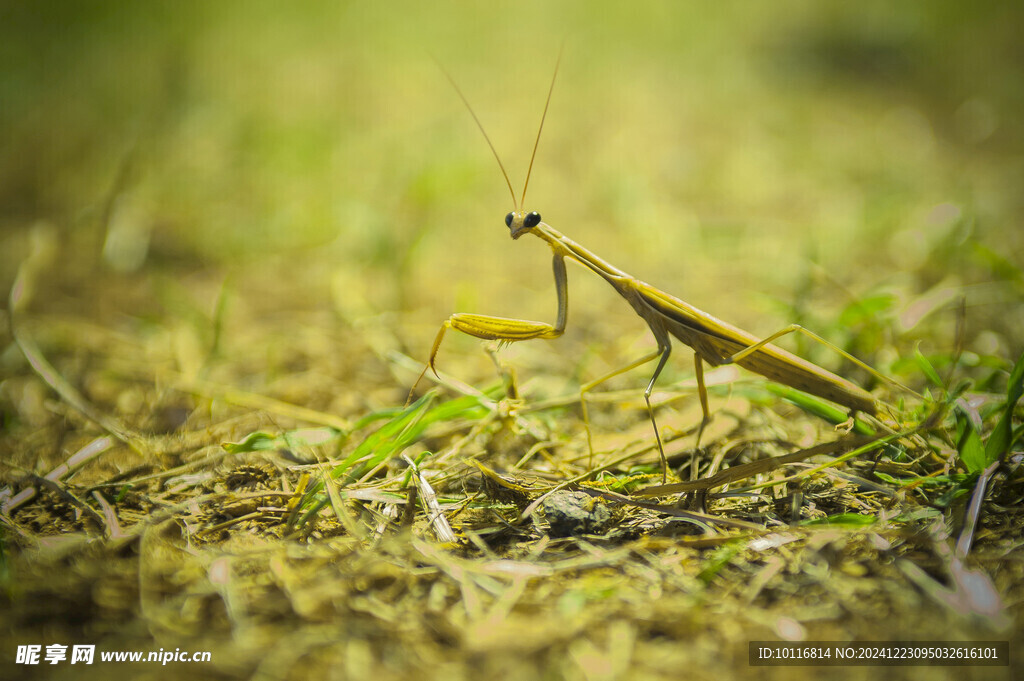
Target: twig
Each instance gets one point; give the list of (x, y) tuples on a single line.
[(743, 471), (439, 523), (973, 513), (114, 530)]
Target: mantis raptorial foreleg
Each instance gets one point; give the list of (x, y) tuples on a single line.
[(504, 329)]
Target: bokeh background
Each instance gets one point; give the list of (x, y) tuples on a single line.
[(768, 164)]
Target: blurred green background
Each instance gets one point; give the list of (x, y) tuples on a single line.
[(767, 162)]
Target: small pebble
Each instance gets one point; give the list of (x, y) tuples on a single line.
[(574, 513)]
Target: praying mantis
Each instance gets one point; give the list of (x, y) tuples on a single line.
[(712, 340)]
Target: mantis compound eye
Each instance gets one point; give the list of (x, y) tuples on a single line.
[(508, 219), (532, 220)]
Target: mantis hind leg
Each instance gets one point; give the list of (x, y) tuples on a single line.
[(586, 388), (662, 354), (702, 392), (796, 328)]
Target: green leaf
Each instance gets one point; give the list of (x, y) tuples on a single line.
[(417, 461), (820, 408), (717, 560), (1001, 439), (950, 495), (867, 309), (915, 515), (923, 480), (254, 442), (972, 451), (847, 519), (404, 427), (261, 441), (402, 430), (926, 367), (378, 444), (123, 493), (380, 415)]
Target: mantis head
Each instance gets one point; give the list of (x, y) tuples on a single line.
[(520, 223)]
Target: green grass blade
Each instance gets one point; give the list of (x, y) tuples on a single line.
[(261, 441), (843, 520), (926, 367), (1001, 439), (820, 408), (972, 451), (404, 429)]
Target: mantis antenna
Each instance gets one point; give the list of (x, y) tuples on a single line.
[(536, 143), (484, 133), (543, 117)]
